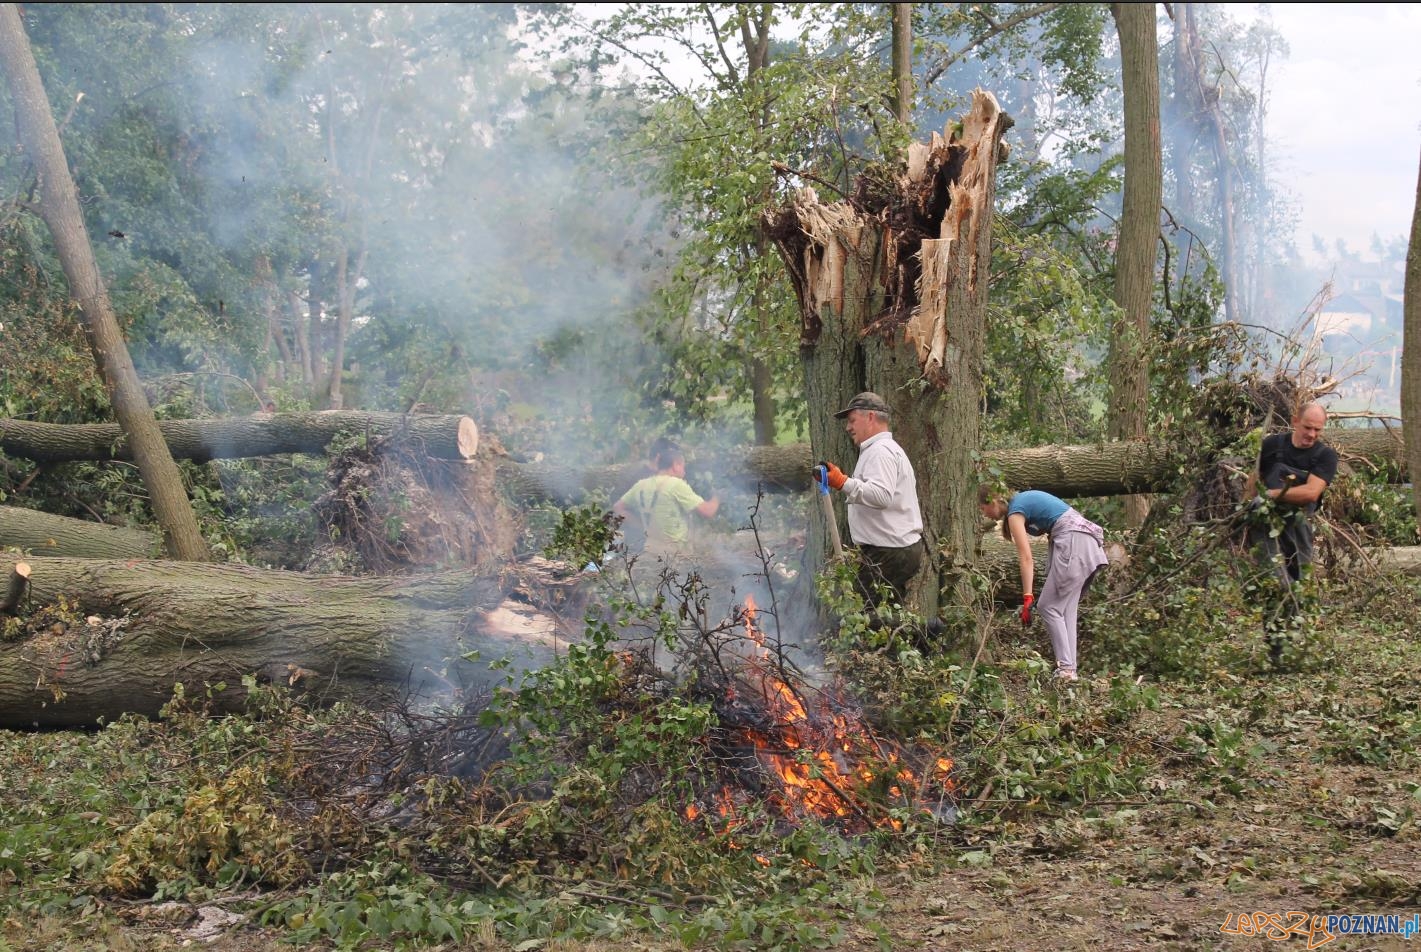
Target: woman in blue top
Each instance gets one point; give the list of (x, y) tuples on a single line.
[(1077, 548)]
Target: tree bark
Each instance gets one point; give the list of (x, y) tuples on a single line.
[(1184, 123), (1400, 560), (902, 15), (755, 22), (1136, 251), (1205, 99), (1411, 351), (59, 207), (444, 436), (892, 296), (45, 534), (1107, 469), (15, 587), (140, 628)]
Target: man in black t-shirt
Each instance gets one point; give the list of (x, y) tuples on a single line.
[(1295, 468)]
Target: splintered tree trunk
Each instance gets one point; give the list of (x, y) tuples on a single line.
[(1202, 99), (59, 207), (139, 628), (443, 436), (892, 296), (1135, 253), (836, 276)]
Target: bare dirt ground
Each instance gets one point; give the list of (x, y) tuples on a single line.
[(1309, 837)]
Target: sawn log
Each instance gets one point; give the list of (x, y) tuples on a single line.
[(139, 628), (1106, 469), (1068, 471), (40, 533), (261, 434)]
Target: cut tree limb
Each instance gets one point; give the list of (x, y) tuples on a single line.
[(15, 590), (1068, 471), (151, 625), (43, 534), (1401, 560), (444, 436)]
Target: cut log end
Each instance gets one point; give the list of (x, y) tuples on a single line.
[(468, 437), (15, 590)]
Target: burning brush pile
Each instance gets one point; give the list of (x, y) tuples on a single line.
[(613, 768), (801, 752), (667, 762)]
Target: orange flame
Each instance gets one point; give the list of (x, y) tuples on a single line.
[(816, 757)]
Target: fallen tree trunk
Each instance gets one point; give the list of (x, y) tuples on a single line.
[(43, 534), (997, 563), (139, 628), (261, 434), (1107, 469), (1401, 560)]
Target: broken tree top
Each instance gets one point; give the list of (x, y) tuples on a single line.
[(450, 437)]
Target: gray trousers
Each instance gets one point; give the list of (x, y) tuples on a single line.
[(1285, 557), (1286, 554), (1077, 553)]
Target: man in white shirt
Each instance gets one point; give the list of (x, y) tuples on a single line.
[(885, 522)]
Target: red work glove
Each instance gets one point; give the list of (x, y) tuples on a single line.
[(1027, 611), (836, 476)]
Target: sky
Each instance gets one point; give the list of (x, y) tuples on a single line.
[(1345, 119)]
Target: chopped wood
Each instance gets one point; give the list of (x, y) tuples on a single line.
[(19, 582)]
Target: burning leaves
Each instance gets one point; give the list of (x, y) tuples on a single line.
[(808, 754)]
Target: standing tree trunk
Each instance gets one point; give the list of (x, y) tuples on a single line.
[(1411, 353), (1136, 251), (903, 62), (59, 207), (353, 216), (755, 35), (1204, 97), (893, 299), (1183, 124), (301, 330)]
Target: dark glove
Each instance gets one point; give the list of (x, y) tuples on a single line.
[(836, 476), (1027, 601)]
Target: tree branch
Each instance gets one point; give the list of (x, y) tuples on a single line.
[(994, 30)]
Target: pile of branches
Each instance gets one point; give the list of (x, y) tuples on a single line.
[(456, 777), (782, 736)]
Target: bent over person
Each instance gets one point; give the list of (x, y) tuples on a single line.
[(885, 522), (1295, 468), (1077, 552)]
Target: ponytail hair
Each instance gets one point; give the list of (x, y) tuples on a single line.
[(986, 494)]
